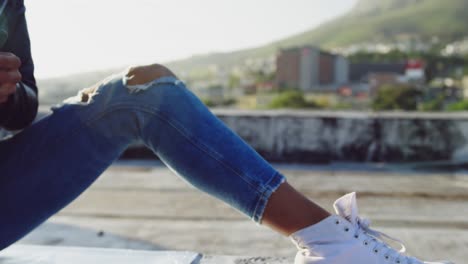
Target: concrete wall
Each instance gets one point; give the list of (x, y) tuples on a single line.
[(322, 137)]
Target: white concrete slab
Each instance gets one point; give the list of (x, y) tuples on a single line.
[(64, 255), (243, 260), (54, 234)]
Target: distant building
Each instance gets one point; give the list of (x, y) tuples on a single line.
[(341, 70), (308, 68), (361, 71), (288, 68), (415, 71), (410, 71)]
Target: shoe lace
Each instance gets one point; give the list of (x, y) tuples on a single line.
[(363, 226)]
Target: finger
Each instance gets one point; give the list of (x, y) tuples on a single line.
[(10, 77), (9, 61), (7, 89)]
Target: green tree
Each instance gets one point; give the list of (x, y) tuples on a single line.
[(234, 81), (291, 99), (436, 104), (208, 102), (458, 106), (397, 97)]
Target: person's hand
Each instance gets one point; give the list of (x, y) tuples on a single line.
[(9, 75)]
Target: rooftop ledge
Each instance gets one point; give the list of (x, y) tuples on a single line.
[(44, 110), (342, 114), (20, 254)]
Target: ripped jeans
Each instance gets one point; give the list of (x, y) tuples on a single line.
[(49, 164)]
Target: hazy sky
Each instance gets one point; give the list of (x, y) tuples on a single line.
[(70, 36)]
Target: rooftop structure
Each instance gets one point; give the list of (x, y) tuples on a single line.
[(309, 68), (360, 71), (410, 71)]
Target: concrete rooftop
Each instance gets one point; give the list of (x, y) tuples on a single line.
[(148, 207)]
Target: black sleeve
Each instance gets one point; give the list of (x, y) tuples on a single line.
[(21, 108)]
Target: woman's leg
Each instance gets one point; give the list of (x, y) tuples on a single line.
[(289, 211), (52, 162)]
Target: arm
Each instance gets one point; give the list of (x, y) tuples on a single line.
[(21, 107)]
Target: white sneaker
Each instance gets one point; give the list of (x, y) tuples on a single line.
[(347, 239)]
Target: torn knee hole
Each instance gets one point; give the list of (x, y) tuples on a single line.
[(87, 94), (142, 77)]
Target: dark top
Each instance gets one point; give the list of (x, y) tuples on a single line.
[(21, 108)]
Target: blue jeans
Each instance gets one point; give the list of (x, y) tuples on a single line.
[(49, 164)]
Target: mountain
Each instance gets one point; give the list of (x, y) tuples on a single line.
[(391, 20), (369, 21)]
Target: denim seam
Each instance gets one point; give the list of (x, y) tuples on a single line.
[(259, 210), (261, 199), (191, 139)]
